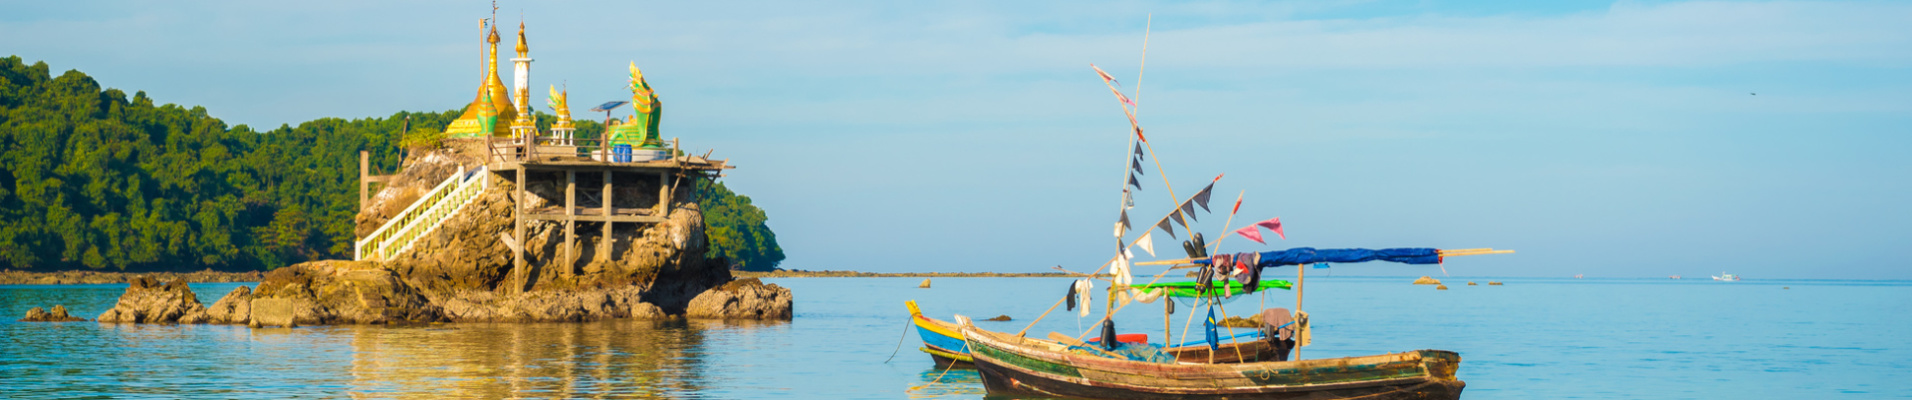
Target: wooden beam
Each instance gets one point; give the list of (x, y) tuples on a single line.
[(593, 218)]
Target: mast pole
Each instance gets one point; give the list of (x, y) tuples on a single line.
[(1301, 278)]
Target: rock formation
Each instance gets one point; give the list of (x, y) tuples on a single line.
[(57, 315), (1425, 280), (148, 301), (742, 299), (463, 271)]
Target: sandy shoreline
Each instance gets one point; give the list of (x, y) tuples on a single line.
[(15, 277)]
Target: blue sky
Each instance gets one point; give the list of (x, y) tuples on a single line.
[(1612, 139)]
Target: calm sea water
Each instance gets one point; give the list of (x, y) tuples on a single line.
[(1532, 338)]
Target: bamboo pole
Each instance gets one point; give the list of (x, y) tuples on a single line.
[(1045, 313), (1301, 277)]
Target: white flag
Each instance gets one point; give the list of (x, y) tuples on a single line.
[(1147, 243)]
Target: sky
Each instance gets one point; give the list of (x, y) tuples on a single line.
[(1610, 139)]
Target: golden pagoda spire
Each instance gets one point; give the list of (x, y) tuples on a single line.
[(493, 103)]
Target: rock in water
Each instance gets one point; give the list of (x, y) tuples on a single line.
[(925, 284), (235, 308), (1440, 287), (147, 301), (1493, 283), (1427, 281), (335, 292), (1471, 283), (999, 318), (57, 315), (747, 298)]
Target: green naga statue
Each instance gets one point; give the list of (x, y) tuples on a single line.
[(641, 130)]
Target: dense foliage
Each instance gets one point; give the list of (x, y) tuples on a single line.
[(736, 229), (90, 178)]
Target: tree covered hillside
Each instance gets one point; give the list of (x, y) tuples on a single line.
[(93, 179)]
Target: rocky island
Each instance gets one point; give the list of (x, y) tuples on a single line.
[(491, 224)]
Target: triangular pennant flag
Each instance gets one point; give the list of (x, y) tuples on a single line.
[(1128, 200), (1138, 151), (1147, 243), (1177, 216), (1273, 224), (1166, 227), (1201, 198), (1251, 232), (1133, 182), (1125, 220), (1231, 213), (1189, 208), (1119, 230), (1136, 165), (1105, 76), (1138, 130)]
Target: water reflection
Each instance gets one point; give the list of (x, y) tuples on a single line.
[(947, 383), (622, 359)]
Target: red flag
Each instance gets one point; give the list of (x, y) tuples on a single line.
[(1105, 76), (1273, 224), (1124, 99), (1237, 205), (1138, 130), (1251, 232)]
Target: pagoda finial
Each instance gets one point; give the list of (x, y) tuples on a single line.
[(523, 49)]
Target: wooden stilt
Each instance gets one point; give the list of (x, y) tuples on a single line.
[(570, 220), (365, 163), (517, 216), (604, 243)]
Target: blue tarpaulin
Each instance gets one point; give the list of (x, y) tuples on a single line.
[(1308, 255)]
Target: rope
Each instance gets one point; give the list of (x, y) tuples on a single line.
[(899, 339), (939, 379)]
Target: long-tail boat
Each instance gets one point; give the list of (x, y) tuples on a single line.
[(1012, 364)]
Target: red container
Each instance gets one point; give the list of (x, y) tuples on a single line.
[(1139, 338)]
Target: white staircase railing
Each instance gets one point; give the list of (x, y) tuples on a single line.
[(423, 216)]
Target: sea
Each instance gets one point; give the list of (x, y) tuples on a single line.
[(1527, 339)]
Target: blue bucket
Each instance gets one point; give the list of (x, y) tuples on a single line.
[(621, 153)]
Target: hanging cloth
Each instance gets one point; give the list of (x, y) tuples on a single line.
[(1247, 272), (1214, 338), (1071, 297), (1082, 287)]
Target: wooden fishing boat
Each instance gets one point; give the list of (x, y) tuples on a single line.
[(1012, 364), (943, 341)]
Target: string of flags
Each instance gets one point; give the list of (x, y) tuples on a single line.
[(1253, 231)]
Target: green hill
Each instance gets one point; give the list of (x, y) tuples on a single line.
[(92, 179)]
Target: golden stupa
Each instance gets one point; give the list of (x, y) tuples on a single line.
[(493, 103)]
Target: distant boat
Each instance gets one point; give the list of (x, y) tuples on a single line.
[(1674, 276), (1726, 277), (1579, 276)]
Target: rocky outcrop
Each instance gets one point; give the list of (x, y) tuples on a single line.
[(1425, 280), (335, 292), (147, 301), (57, 315), (742, 299)]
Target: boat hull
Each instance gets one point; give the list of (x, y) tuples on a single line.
[(1011, 365)]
